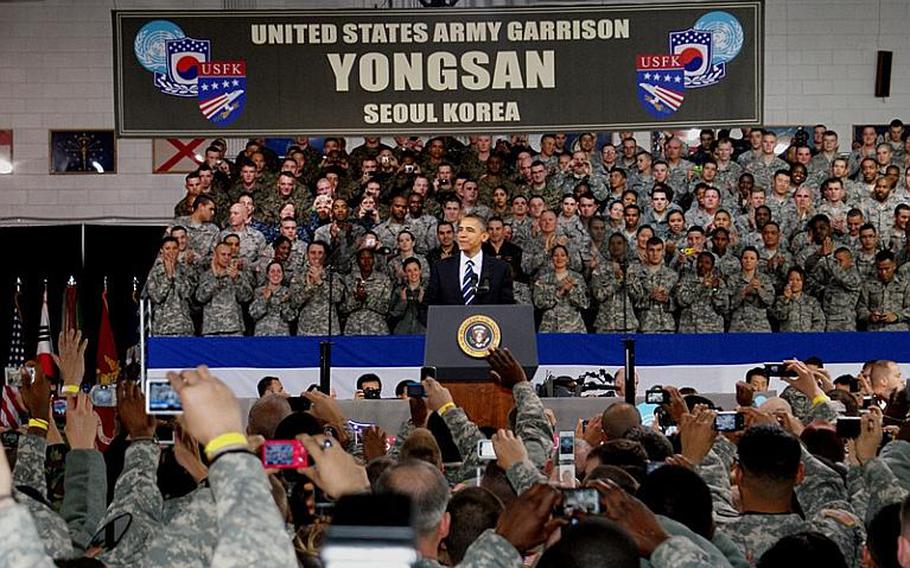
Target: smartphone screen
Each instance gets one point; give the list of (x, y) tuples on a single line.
[(161, 398), (567, 446), (485, 450)]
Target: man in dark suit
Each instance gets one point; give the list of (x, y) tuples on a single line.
[(471, 277)]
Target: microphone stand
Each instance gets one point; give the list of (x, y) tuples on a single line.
[(325, 347)]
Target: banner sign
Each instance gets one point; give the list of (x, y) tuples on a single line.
[(422, 71)]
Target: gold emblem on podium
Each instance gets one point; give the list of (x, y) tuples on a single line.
[(478, 334)]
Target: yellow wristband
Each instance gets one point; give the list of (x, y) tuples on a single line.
[(225, 440), (445, 408), (819, 398), (38, 423), (69, 389)]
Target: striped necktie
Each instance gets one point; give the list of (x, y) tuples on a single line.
[(468, 286)]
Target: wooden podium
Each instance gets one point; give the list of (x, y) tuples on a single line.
[(457, 339)]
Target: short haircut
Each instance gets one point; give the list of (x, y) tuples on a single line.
[(756, 372), (264, 383), (592, 541), (769, 453), (425, 485), (656, 445), (368, 377), (881, 536), (807, 548), (621, 453), (266, 414), (421, 445), (473, 510), (202, 199), (681, 494), (619, 418), (478, 218)]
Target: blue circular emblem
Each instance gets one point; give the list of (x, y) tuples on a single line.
[(149, 44), (726, 35)]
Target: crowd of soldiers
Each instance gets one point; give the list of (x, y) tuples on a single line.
[(734, 234)]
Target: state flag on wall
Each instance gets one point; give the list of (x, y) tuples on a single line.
[(178, 155)]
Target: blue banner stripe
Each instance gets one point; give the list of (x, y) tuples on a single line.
[(553, 349)]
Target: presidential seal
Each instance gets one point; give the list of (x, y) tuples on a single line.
[(478, 334)]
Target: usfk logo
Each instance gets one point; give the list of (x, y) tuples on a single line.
[(698, 58)]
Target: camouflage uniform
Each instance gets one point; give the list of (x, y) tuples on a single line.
[(894, 296), (201, 238), (612, 297), (521, 230), (243, 501), (839, 291), (188, 534), (367, 317), (465, 434), (273, 315), (821, 493), (312, 303), (654, 316), (221, 297), (750, 313), (30, 489), (727, 181), (171, 297), (881, 213), (136, 493), (269, 205), (395, 269), (764, 172), (703, 306), (490, 549), (531, 424), (252, 244), (566, 183), (22, 544), (561, 313), (425, 225), (799, 313)]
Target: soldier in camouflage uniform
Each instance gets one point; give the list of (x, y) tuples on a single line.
[(650, 288), (764, 166), (286, 190), (838, 283), (202, 234), (271, 307), (884, 303), (366, 298), (310, 291), (768, 456), (795, 309), (561, 294), (221, 290), (252, 242), (170, 286), (751, 295), (703, 298), (615, 311)]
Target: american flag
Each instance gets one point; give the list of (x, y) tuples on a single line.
[(11, 406)]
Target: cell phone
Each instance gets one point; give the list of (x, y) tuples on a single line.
[(729, 421), (283, 454), (161, 398), (579, 501), (408, 168), (13, 378), (868, 401), (778, 370), (849, 426), (165, 434), (428, 372), (357, 428), (10, 439), (372, 394), (104, 396), (416, 391), (299, 403), (485, 451), (657, 396), (59, 406), (567, 446), (584, 425)]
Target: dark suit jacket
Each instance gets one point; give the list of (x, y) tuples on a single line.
[(493, 287)]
